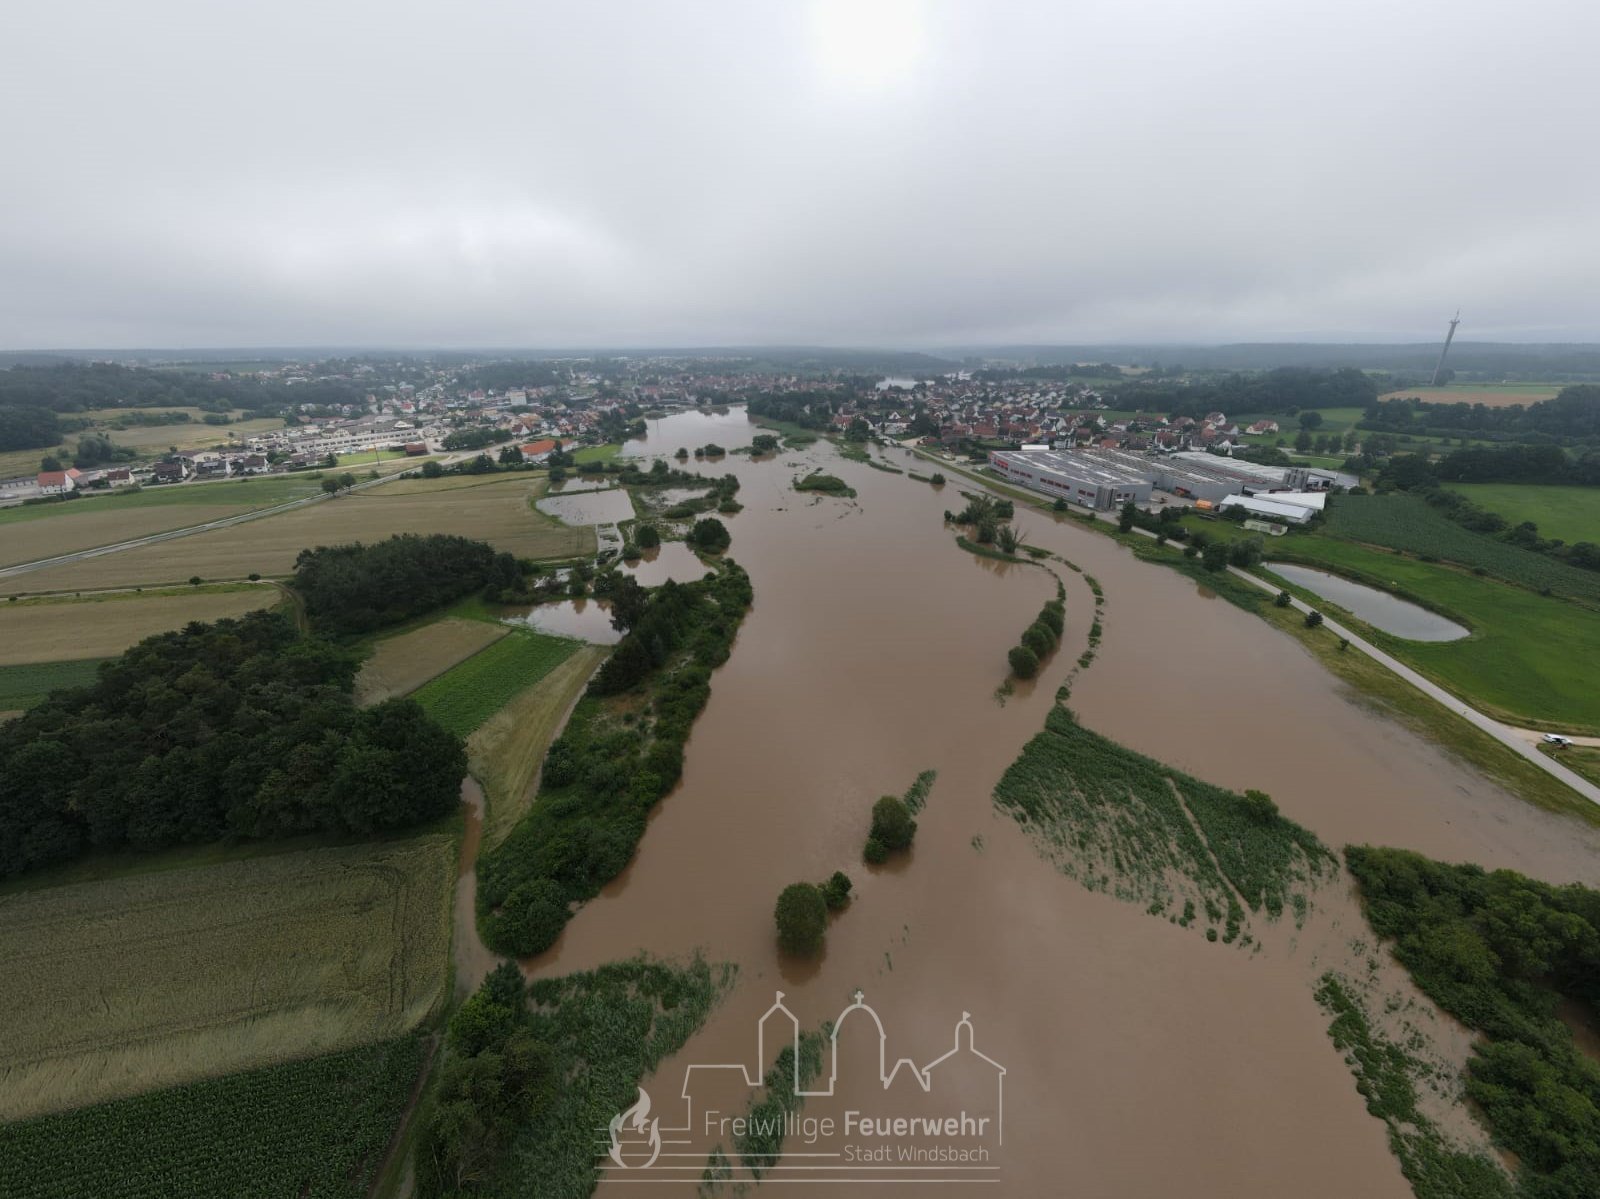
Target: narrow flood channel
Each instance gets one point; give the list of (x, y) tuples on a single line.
[(1140, 1060)]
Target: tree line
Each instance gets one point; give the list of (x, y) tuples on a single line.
[(239, 729), (1572, 417), (602, 776)]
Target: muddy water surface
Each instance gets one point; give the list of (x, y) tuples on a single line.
[(1141, 1061), (670, 560), (586, 619)]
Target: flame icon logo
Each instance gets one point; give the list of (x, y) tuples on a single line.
[(638, 1119)]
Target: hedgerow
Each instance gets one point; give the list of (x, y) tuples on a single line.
[(622, 751)]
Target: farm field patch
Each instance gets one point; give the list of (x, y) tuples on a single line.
[(1405, 522), (41, 631), (1525, 661), (1571, 514), (153, 980), (1490, 395), (505, 751), (315, 1127), (500, 514), (23, 686), (465, 696), (402, 663)]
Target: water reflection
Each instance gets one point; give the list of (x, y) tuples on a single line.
[(586, 619), (672, 560)]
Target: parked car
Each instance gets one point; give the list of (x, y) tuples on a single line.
[(1556, 739)]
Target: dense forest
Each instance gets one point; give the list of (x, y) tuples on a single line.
[(1500, 952), (238, 729), (808, 409), (357, 588)]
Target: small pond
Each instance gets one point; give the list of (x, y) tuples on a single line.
[(670, 560), (587, 619), (1381, 610)]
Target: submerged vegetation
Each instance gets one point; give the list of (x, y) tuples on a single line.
[(827, 484), (530, 1076), (1123, 823), (621, 752), (1385, 1075), (801, 915), (1500, 951)]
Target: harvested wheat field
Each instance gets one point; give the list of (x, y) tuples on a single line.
[(500, 513), (1501, 396), (126, 985), (505, 751), (401, 664), (103, 626), (72, 531)]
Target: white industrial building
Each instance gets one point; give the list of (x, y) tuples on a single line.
[(1074, 477)]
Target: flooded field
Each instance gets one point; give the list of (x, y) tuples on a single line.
[(1378, 608), (670, 560), (587, 619), (1140, 1060), (588, 506), (664, 436)]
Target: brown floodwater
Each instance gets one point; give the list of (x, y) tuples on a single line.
[(1140, 1060), (671, 560), (585, 619), (588, 506)]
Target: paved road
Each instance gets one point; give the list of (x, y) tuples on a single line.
[(1519, 741)]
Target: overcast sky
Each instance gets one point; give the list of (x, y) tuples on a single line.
[(889, 172)]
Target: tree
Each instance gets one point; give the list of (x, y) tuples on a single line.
[(1258, 806), (709, 534), (347, 481), (50, 462), (1130, 513), (1215, 556), (802, 918), (1024, 662), (330, 485), (1281, 600), (431, 469), (1313, 619), (1245, 552), (1038, 638), (1302, 441), (1007, 539), (937, 479), (1311, 419), (628, 604), (892, 823), (646, 536), (836, 891)]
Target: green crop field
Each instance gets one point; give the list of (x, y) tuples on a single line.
[(1527, 660), (1570, 514), (163, 978), (1406, 522), (315, 1127), (23, 686), (466, 695), (596, 453)]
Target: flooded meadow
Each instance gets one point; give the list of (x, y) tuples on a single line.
[(1139, 1058)]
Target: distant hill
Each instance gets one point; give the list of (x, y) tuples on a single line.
[(1555, 362)]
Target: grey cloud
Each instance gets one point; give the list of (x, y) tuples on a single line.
[(869, 171)]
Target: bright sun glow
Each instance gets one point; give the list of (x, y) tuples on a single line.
[(867, 45)]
